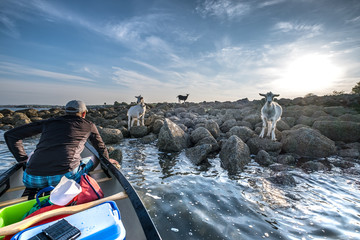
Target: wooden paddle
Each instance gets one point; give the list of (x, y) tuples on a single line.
[(19, 226)]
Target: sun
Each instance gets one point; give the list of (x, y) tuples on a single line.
[(309, 74)]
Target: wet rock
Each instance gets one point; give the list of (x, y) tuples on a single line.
[(307, 142), (116, 154), (256, 144), (312, 166), (277, 167), (286, 159), (343, 164), (234, 155), (171, 137), (242, 132), (213, 128), (148, 139), (292, 196), (351, 153), (198, 153), (110, 135), (283, 179), (339, 130), (139, 131), (263, 158)]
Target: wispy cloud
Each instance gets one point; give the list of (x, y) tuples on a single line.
[(305, 30), (223, 9), (15, 69), (133, 79), (8, 27), (270, 3)]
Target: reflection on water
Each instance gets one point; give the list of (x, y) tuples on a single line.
[(204, 202)]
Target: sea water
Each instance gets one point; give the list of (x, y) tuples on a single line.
[(205, 202)]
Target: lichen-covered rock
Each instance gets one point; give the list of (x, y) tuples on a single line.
[(345, 131), (307, 142), (171, 137), (234, 155)]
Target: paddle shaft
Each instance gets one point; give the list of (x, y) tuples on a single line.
[(19, 226)]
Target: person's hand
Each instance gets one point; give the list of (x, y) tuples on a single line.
[(115, 163)]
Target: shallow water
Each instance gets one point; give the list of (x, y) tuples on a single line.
[(204, 202)]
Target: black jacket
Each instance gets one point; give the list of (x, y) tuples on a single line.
[(61, 142)]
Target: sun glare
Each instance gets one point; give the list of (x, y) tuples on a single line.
[(309, 74)]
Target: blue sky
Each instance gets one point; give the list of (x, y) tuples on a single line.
[(106, 51)]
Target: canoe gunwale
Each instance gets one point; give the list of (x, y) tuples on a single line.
[(5, 177)]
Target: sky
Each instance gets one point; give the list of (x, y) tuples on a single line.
[(214, 50)]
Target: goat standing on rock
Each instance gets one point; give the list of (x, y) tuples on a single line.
[(270, 114), (183, 98), (136, 112)]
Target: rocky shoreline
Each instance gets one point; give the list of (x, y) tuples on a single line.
[(314, 133)]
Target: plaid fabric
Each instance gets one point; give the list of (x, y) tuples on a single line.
[(32, 181)]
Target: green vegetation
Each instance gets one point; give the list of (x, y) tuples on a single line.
[(356, 89)]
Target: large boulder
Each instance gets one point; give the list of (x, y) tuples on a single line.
[(171, 137), (198, 153), (345, 131), (234, 155), (111, 135), (199, 134), (19, 119), (307, 142)]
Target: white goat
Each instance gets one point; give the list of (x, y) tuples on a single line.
[(270, 114), (136, 112)]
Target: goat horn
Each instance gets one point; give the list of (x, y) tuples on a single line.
[(262, 94)]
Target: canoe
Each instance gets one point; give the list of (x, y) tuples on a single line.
[(134, 216)]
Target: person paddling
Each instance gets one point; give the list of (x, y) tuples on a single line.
[(58, 151)]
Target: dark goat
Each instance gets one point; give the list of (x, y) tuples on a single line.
[(183, 98)]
